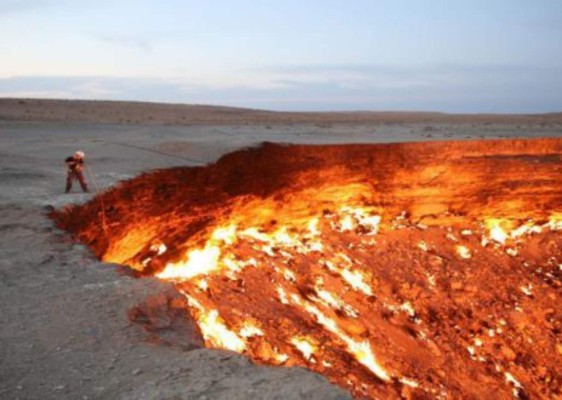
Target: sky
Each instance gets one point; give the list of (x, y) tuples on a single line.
[(469, 56)]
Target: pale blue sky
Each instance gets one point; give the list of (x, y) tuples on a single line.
[(436, 55)]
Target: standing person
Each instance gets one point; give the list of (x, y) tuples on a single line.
[(75, 165)]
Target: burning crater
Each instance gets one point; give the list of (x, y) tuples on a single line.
[(405, 270)]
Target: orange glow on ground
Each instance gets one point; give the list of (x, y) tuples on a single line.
[(414, 271)]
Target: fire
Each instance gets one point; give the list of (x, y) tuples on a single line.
[(249, 330), (214, 330), (382, 271), (463, 251), (227, 253), (555, 221), (219, 255), (360, 350), (199, 262), (503, 230), (496, 231), (305, 347)]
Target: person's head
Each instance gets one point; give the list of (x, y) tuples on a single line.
[(79, 155)]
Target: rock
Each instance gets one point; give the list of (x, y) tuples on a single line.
[(434, 349), (436, 261), (137, 371), (471, 288), (508, 353), (354, 328), (264, 351), (406, 393)]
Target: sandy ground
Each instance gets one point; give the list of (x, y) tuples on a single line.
[(64, 325)]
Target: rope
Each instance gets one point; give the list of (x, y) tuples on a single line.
[(103, 223), (103, 217), (192, 160)]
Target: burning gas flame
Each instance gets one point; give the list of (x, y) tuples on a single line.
[(274, 252)]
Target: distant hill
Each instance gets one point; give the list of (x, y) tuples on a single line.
[(123, 112)]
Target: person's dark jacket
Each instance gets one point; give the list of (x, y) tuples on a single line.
[(74, 164)]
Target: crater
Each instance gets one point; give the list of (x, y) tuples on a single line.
[(416, 270)]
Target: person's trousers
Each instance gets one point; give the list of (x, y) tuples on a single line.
[(75, 175)]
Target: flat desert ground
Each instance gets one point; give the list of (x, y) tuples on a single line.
[(65, 332)]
